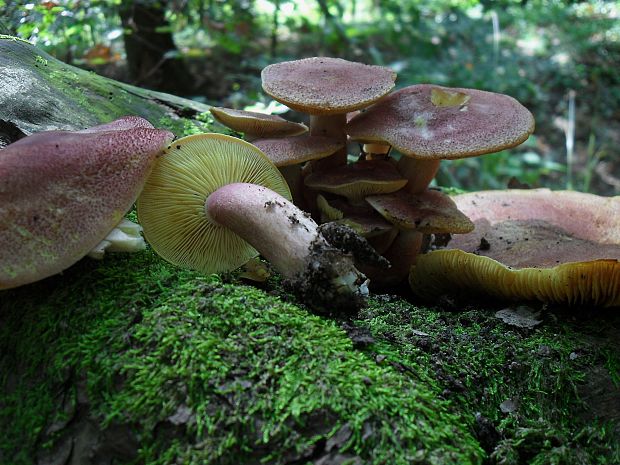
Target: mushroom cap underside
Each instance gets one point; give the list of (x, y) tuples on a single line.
[(171, 208), (433, 122), (257, 124), (357, 180), (517, 252), (441, 272)]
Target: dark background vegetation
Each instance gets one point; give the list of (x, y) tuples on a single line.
[(560, 58)]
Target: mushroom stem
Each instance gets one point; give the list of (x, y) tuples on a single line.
[(294, 179), (420, 173), (402, 256), (321, 274), (330, 126)]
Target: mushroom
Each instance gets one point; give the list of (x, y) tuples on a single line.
[(257, 125), (125, 237), (290, 153), (537, 244), (214, 201), (327, 89), (62, 192), (428, 212), (428, 123), (357, 180), (361, 218)]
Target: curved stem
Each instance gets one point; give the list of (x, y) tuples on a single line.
[(286, 236)]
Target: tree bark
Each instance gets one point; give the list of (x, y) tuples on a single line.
[(152, 56)]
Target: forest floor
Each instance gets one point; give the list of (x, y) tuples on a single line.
[(131, 360)]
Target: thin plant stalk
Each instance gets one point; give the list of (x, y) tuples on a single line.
[(570, 140)]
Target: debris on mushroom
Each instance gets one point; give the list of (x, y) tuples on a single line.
[(62, 192), (427, 123), (561, 247), (213, 202), (257, 125)]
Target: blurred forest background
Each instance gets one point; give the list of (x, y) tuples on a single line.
[(560, 58)]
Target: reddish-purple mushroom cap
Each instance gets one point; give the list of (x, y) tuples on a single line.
[(429, 212), (324, 86), (432, 122), (62, 192), (298, 149)]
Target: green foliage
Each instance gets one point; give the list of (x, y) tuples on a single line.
[(484, 362), (536, 51)]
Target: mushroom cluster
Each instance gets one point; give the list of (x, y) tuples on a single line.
[(214, 202), (384, 193)]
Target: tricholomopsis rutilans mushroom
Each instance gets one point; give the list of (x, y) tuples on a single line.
[(327, 89), (559, 247), (213, 202), (428, 123), (62, 192), (257, 125)]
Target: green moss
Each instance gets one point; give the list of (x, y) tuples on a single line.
[(204, 372), (537, 376)]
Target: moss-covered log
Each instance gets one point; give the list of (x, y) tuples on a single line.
[(39, 93), (130, 360)]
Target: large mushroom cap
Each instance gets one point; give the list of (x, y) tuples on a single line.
[(531, 244), (433, 122), (62, 192), (323, 86), (171, 208), (257, 124)]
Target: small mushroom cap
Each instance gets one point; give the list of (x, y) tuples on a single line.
[(361, 218), (62, 192), (528, 245), (428, 212), (433, 122), (326, 86), (298, 149), (171, 208), (357, 180), (257, 124)]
